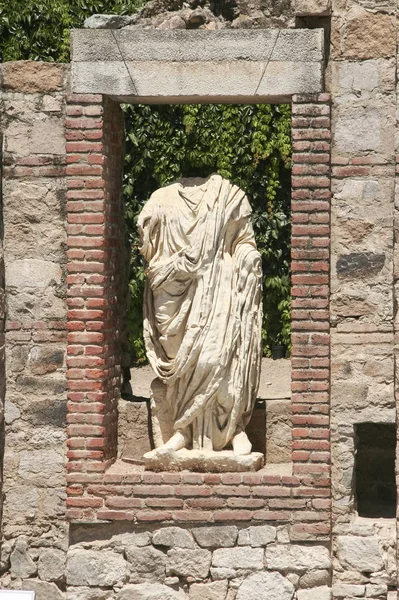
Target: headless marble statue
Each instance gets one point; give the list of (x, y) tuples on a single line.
[(202, 314)]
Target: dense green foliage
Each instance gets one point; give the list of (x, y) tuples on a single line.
[(248, 144), (39, 29)]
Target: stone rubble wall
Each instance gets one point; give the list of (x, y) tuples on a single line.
[(361, 78), (226, 562), (34, 530)]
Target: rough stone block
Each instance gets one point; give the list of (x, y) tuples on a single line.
[(31, 272), (43, 134), (31, 76), (363, 34), (215, 590), (360, 553), (319, 593), (43, 589), (312, 7), (188, 563), (243, 557), (361, 129), (148, 591), (296, 557), (217, 536), (266, 586), (146, 564), (95, 569), (261, 535), (42, 467), (348, 589), (173, 537), (51, 566), (22, 564), (133, 436)]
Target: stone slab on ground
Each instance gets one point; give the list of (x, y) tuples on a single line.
[(202, 461)]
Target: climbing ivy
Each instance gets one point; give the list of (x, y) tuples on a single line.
[(39, 29), (248, 144)]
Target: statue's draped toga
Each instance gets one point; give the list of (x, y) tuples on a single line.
[(202, 312)]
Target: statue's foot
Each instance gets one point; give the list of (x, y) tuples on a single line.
[(176, 442), (241, 444)]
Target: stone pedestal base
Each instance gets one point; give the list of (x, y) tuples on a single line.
[(202, 461)]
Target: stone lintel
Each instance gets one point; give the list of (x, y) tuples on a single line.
[(196, 66), (203, 461)]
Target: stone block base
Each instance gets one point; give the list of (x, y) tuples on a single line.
[(202, 461)]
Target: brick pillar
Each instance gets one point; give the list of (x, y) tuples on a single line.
[(96, 263), (310, 290)]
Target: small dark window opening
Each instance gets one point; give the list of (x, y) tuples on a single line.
[(375, 486)]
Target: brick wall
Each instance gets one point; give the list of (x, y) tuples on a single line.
[(96, 283), (119, 492)]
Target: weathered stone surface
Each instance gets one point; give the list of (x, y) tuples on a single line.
[(363, 35), (31, 76), (107, 21), (133, 438), (256, 45), (146, 564), (261, 535), (205, 461), (349, 589), (242, 557), (148, 591), (51, 566), (238, 62), (22, 564), (46, 359), (44, 590), (31, 272), (90, 568), (174, 22), (39, 134), (173, 537), (360, 553), (320, 593), (266, 586), (220, 573), (314, 579), (188, 563), (359, 264), (296, 557), (217, 536), (311, 7), (42, 467), (85, 593), (216, 590)]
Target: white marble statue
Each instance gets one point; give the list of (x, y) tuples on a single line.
[(202, 315)]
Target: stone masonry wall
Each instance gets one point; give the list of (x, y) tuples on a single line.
[(361, 77), (227, 537), (34, 531)]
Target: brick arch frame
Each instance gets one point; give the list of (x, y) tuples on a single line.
[(99, 486)]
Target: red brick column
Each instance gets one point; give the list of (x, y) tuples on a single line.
[(310, 290), (96, 263)]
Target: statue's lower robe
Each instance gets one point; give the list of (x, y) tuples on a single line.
[(203, 309)]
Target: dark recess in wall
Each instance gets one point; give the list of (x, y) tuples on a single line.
[(375, 487)]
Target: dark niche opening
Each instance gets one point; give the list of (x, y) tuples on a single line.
[(375, 486)]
